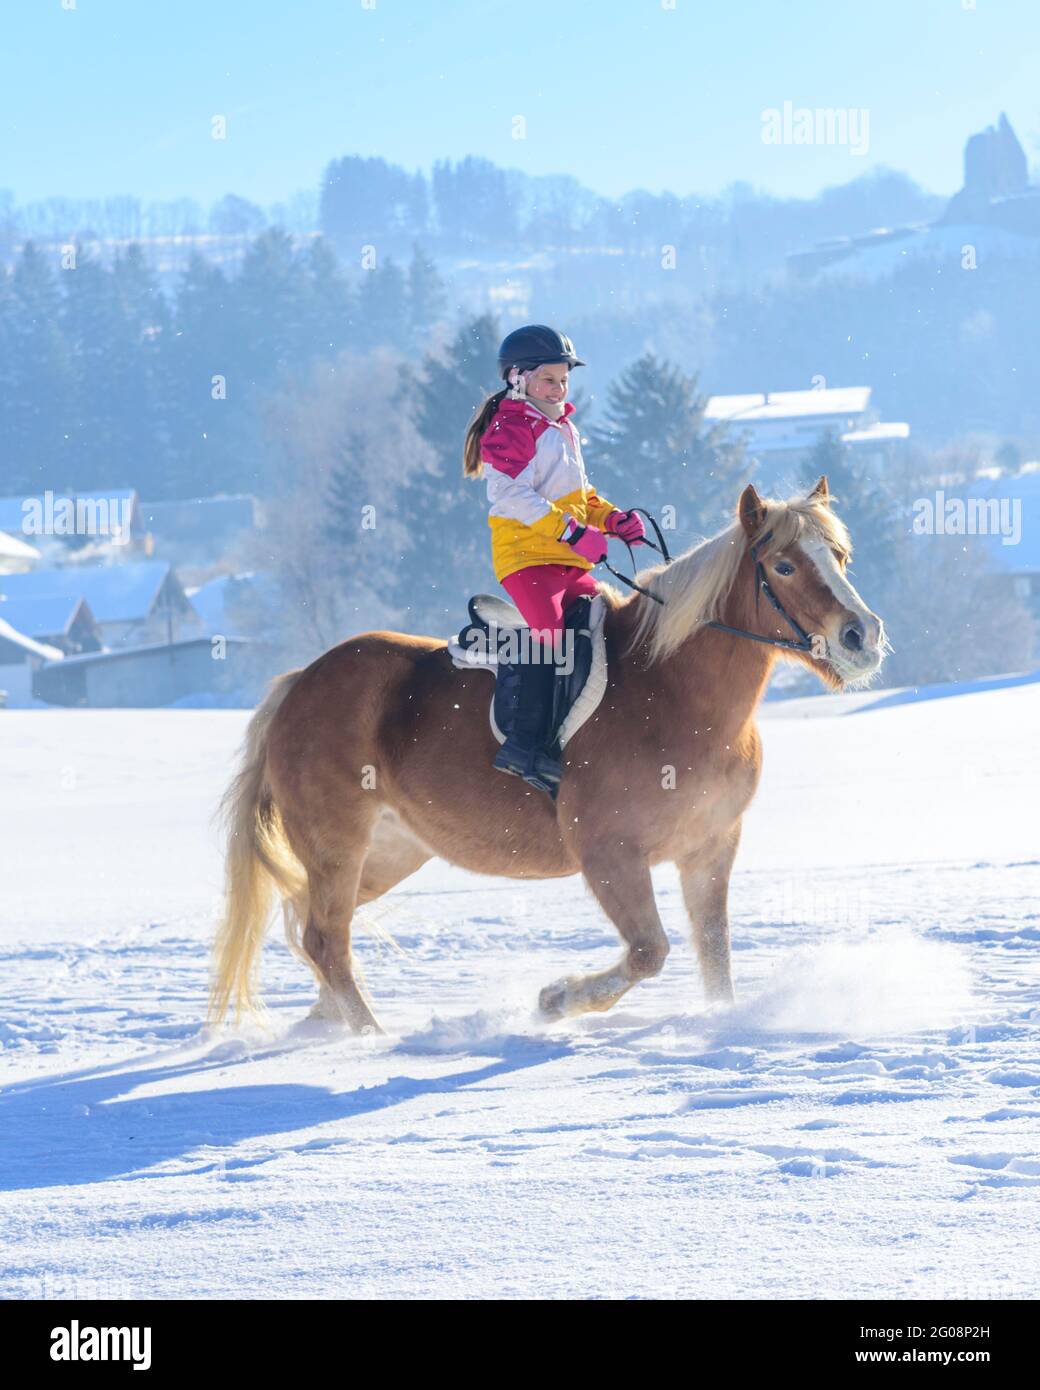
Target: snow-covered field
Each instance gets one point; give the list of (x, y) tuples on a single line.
[(864, 1123)]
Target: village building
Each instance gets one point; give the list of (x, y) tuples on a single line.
[(62, 622), (780, 428), (1014, 552), (16, 555), (77, 519), (200, 670), (133, 604), (198, 528)]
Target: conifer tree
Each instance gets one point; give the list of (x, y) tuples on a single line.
[(427, 296), (35, 375), (654, 448), (383, 307), (452, 510), (862, 499)]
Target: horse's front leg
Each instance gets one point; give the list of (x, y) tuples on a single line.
[(705, 886), (621, 881)]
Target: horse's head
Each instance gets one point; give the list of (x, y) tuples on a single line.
[(803, 549)]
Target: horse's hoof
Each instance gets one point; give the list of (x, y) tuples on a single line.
[(318, 1026), (552, 1001), (321, 1013)]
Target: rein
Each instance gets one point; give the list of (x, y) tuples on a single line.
[(801, 642)]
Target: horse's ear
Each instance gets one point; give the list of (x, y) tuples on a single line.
[(821, 492), (751, 511)]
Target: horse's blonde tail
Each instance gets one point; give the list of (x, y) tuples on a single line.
[(258, 860)]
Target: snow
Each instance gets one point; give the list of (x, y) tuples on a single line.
[(841, 401), (862, 1123), (935, 243)]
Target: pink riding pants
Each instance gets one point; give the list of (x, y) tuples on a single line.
[(543, 592)]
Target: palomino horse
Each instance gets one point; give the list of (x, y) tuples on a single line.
[(377, 756)]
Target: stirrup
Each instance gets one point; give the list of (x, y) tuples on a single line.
[(536, 766), (546, 774)]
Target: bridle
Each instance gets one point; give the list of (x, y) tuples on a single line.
[(801, 642)]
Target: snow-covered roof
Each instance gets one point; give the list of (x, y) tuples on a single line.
[(931, 243), (27, 644), (127, 655), (114, 593), (891, 429), (200, 519), (14, 510), (789, 405), (44, 616), (11, 548), (220, 600), (208, 600)]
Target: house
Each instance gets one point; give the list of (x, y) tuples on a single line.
[(134, 604), (203, 527), (15, 647), (20, 658), (16, 555), (240, 605), (62, 622), (77, 519), (200, 670), (781, 427), (1012, 537)]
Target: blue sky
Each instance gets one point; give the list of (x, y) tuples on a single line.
[(116, 96)]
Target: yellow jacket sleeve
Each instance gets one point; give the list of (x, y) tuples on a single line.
[(597, 509)]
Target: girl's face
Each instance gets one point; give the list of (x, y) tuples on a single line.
[(549, 382)]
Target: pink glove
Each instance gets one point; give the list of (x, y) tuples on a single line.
[(588, 541), (628, 525)]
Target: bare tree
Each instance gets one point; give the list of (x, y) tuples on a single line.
[(949, 618), (338, 527)]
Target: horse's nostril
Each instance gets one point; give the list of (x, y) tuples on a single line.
[(852, 636)]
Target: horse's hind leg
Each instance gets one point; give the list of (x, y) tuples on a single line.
[(392, 854), (625, 891), (333, 894)]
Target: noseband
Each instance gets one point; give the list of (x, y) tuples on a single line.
[(801, 642)]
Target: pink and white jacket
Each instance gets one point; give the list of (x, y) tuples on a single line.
[(535, 480)]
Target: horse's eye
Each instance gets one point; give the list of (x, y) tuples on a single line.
[(784, 567)]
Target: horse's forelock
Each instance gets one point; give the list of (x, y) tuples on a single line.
[(786, 524)]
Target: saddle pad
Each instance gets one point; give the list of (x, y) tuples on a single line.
[(592, 691)]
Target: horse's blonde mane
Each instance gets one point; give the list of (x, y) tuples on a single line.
[(696, 584)]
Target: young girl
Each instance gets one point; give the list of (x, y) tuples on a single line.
[(548, 527)]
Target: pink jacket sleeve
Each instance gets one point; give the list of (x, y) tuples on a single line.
[(508, 444)]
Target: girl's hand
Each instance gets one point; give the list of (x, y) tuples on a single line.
[(587, 541), (628, 525)]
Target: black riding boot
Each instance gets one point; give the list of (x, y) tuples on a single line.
[(524, 752)]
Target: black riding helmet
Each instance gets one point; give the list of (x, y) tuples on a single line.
[(534, 346)]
